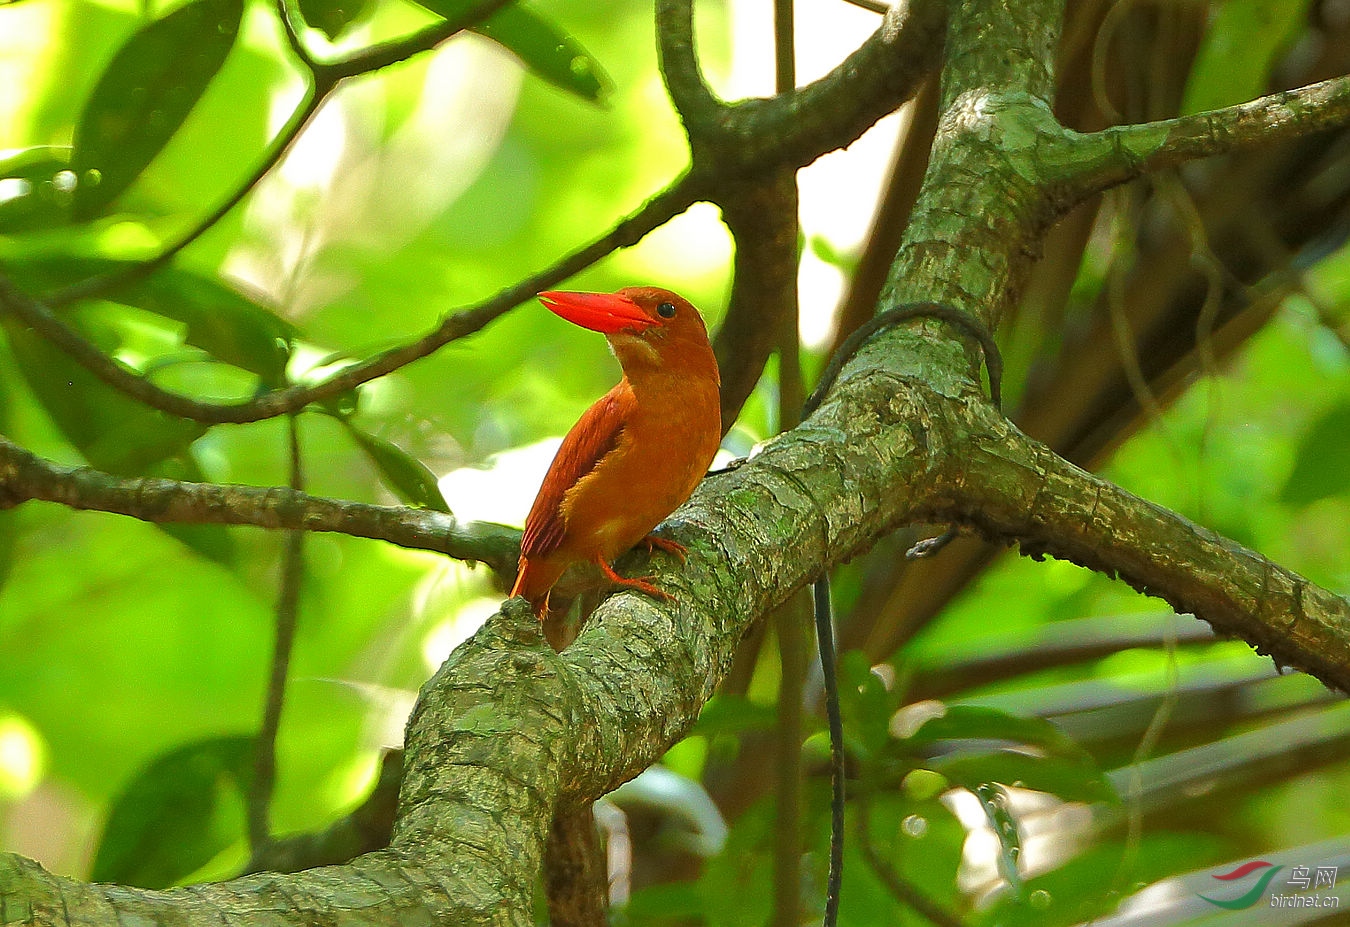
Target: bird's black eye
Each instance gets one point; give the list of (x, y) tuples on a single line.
[(666, 310)]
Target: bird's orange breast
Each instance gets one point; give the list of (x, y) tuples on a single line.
[(662, 453), (665, 444)]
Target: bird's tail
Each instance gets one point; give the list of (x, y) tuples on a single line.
[(534, 579)]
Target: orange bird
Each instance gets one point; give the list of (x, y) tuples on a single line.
[(636, 454)]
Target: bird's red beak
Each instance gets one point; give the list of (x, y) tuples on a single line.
[(608, 313)]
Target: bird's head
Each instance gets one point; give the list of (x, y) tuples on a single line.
[(648, 327)]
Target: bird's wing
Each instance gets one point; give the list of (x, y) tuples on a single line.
[(593, 436)]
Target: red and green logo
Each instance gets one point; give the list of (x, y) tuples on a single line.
[(1253, 894)]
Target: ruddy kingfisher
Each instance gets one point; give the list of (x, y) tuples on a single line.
[(637, 453)]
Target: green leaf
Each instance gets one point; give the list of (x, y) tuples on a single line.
[(548, 51), (545, 49), (224, 323), (1070, 779), (672, 902), (971, 722), (733, 714), (36, 189), (1239, 50), (144, 95), (994, 800), (822, 248), (176, 814), (112, 431), (864, 702), (402, 474), (1320, 463), (334, 17)]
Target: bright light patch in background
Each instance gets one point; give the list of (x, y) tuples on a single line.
[(345, 184), (314, 158), (12, 188), (23, 757), (692, 246), (504, 490), (453, 631), (350, 782), (1051, 832), (839, 190), (24, 53)]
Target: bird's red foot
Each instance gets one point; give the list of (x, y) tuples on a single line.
[(642, 584), (652, 542)]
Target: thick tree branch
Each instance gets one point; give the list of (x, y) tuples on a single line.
[(24, 476), (1016, 489), (762, 217), (575, 879), (1083, 164), (792, 129)]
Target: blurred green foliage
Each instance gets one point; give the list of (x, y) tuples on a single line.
[(138, 656)]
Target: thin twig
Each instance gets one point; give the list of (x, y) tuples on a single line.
[(292, 35), (276, 150), (287, 613), (323, 79), (656, 211), (872, 6), (24, 476), (396, 51), (789, 621)]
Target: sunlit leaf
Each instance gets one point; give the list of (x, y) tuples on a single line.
[(866, 705), (8, 528), (998, 811), (112, 431), (220, 320), (1239, 50), (176, 814), (1320, 468), (144, 94), (824, 249), (972, 722), (733, 714), (402, 474), (1070, 779), (334, 17), (546, 50), (225, 323), (36, 189)]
